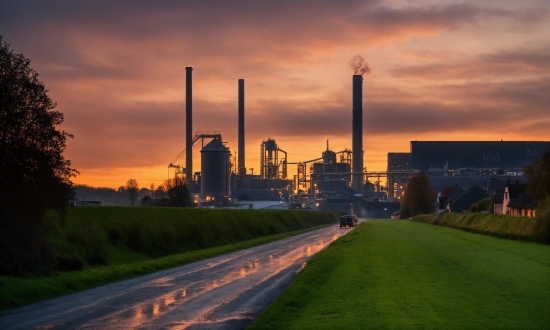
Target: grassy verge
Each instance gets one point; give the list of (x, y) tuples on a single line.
[(117, 235), (408, 275), (16, 291), (107, 244), (498, 225)]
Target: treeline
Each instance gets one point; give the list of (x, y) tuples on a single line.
[(173, 192)]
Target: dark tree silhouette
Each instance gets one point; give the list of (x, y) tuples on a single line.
[(538, 173), (132, 188), (178, 193), (34, 176), (418, 197)]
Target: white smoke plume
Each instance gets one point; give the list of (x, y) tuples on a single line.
[(359, 65)]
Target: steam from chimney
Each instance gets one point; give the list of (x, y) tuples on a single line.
[(359, 65)]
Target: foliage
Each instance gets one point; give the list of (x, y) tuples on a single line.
[(543, 221), (34, 176), (132, 188), (538, 173), (418, 197), (406, 275), (177, 193), (91, 232), (483, 205)]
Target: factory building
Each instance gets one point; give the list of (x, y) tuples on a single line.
[(338, 180), (222, 182), (450, 156), (465, 164)]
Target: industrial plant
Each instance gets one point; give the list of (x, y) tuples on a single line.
[(337, 180)]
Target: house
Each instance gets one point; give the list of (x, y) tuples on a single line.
[(497, 201), (511, 191), (447, 195), (523, 205), (472, 196)]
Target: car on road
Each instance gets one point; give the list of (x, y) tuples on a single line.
[(349, 221)]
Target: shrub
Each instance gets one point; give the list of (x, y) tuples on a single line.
[(543, 221), (95, 248)]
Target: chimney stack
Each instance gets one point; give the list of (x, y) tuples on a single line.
[(189, 123), (357, 134), (241, 165)]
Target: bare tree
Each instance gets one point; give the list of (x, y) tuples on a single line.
[(132, 188)]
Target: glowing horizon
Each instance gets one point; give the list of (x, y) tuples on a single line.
[(447, 71)]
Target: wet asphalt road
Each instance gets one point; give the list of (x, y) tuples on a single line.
[(225, 292)]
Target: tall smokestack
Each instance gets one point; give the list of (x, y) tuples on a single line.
[(357, 134), (189, 123), (242, 167)]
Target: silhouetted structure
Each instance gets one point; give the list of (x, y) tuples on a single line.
[(189, 123), (357, 134)]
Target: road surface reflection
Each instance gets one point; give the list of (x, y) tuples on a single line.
[(226, 292)]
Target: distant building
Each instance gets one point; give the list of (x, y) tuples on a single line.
[(448, 194), (523, 205), (498, 202), (463, 201), (503, 155), (511, 191), (399, 171)]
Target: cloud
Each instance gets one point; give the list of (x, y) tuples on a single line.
[(116, 70), (516, 62)]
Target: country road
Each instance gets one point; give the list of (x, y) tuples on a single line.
[(225, 292)]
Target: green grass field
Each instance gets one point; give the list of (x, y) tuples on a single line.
[(409, 275)]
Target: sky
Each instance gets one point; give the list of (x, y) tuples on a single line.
[(439, 70)]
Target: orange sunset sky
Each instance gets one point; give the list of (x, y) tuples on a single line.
[(440, 70)]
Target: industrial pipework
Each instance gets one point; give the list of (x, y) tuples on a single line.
[(270, 167)]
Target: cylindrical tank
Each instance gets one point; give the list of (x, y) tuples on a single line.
[(214, 170), (329, 157)]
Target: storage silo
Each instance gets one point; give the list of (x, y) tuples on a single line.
[(214, 171)]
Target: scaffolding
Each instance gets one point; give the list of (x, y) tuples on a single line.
[(272, 166)]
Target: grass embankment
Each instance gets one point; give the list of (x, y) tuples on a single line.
[(403, 275), (498, 225), (116, 243)]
